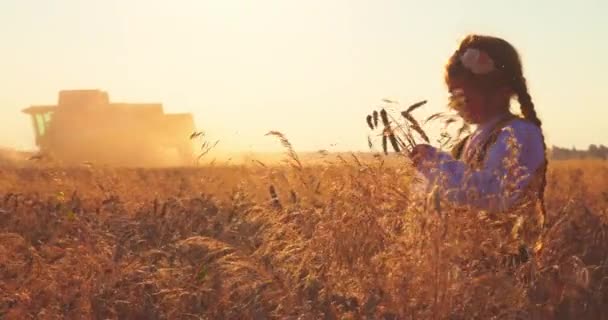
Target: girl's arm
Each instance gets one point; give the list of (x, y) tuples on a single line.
[(510, 164)]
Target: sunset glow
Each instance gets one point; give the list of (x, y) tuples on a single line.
[(310, 69)]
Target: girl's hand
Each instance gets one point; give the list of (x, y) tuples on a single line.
[(421, 152)]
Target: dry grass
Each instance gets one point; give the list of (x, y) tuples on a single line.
[(348, 241)]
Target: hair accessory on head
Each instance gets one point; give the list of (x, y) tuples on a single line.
[(477, 61)]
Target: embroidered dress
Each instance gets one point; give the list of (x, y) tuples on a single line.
[(498, 169)]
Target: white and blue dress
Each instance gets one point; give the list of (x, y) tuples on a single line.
[(497, 168)]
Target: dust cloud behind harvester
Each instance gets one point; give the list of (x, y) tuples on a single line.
[(85, 126)]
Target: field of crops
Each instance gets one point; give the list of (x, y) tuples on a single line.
[(346, 239)]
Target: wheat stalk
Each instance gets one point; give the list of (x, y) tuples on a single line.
[(291, 153)]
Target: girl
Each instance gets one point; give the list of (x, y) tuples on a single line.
[(501, 166)]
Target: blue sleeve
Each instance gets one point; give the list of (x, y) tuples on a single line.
[(510, 164)]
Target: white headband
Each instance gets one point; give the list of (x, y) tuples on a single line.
[(477, 61)]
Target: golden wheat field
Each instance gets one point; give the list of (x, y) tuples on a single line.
[(337, 240)]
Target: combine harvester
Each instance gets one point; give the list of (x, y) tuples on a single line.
[(86, 127)]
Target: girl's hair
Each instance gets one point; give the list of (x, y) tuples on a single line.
[(508, 73)]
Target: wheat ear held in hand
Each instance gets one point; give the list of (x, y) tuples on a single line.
[(415, 125), (388, 133)]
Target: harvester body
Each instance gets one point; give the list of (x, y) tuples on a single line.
[(85, 126)]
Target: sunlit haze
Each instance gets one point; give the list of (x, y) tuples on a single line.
[(310, 69)]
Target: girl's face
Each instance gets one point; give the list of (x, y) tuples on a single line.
[(473, 105), (468, 101)]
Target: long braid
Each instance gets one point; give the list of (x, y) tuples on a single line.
[(529, 113), (525, 102)]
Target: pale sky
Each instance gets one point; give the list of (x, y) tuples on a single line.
[(312, 69)]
